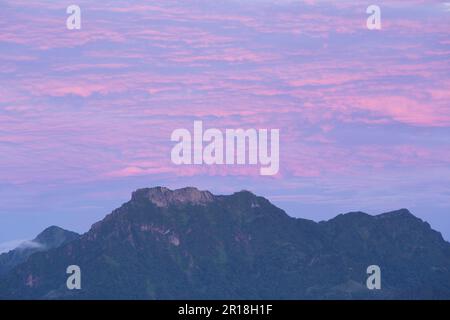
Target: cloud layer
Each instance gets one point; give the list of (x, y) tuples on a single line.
[(360, 112)]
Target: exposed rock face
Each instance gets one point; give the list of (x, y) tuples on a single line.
[(190, 244), (162, 196)]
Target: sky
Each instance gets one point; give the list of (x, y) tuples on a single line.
[(86, 115)]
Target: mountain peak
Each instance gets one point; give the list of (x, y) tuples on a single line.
[(49, 231), (401, 213), (54, 236), (163, 197), (353, 216), (50, 238), (359, 215), (356, 214), (245, 192)]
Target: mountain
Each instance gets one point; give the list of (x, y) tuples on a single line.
[(191, 244), (50, 238)]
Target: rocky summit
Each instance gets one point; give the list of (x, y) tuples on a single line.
[(191, 244), (163, 197)]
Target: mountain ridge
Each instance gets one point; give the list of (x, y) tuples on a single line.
[(190, 244)]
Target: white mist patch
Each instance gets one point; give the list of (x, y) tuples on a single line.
[(10, 245), (19, 245), (235, 146), (30, 245)]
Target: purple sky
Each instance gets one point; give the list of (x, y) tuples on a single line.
[(86, 115)]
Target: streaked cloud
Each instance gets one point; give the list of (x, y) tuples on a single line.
[(96, 107)]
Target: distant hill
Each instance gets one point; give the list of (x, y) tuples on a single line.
[(50, 238), (191, 244)]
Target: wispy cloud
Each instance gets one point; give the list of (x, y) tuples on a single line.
[(94, 108), (10, 245)]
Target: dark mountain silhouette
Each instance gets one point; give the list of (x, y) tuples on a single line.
[(50, 238), (191, 244)]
